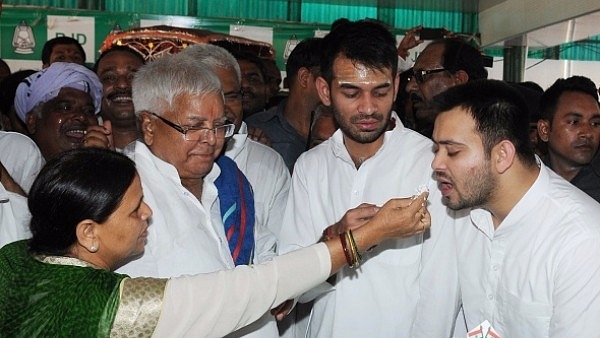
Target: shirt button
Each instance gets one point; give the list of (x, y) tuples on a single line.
[(495, 267), (490, 297)]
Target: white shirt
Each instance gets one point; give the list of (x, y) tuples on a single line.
[(267, 173), (186, 236), (21, 157), (399, 280), (23, 161), (14, 217), (538, 273)]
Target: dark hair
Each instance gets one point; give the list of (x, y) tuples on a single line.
[(79, 184), (339, 23), (532, 85), (61, 40), (549, 100), (252, 59), (4, 67), (532, 96), (366, 41), (459, 55), (8, 88), (306, 54), (117, 49), (499, 111)]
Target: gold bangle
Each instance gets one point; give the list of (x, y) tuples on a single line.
[(355, 255)]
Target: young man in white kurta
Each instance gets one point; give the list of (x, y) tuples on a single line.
[(405, 288), (529, 262), (539, 271)]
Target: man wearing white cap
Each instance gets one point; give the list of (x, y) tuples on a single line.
[(59, 106)]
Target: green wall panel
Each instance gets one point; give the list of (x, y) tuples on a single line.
[(327, 13)]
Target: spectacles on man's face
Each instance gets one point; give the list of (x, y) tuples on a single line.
[(199, 133), (422, 75)]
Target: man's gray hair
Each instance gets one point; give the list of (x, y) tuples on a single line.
[(158, 83), (214, 57)]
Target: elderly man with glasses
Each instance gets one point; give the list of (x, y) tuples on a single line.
[(444, 63), (204, 217)]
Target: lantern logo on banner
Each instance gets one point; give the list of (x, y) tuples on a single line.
[(23, 40)]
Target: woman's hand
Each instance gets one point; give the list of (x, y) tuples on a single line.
[(399, 218)]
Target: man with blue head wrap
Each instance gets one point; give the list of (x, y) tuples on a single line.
[(59, 106)]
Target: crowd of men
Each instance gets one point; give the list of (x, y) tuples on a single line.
[(515, 236)]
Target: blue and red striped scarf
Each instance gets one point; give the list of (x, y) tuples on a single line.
[(237, 210)]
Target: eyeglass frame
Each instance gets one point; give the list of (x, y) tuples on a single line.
[(419, 74), (230, 128)]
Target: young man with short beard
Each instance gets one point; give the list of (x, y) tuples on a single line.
[(529, 261), (404, 288)]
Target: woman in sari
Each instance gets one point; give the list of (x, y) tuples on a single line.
[(89, 218)]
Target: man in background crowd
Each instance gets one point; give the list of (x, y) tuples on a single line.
[(444, 63), (570, 127), (59, 106), (62, 49), (115, 69)]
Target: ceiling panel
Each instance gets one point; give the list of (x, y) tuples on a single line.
[(576, 29)]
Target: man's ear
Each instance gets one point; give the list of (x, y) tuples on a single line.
[(461, 77), (31, 122), (503, 156), (543, 128), (86, 235), (303, 76), (323, 90), (147, 127)]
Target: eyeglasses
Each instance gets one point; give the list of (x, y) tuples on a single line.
[(422, 75), (199, 133)]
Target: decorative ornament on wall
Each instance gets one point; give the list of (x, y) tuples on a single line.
[(291, 43), (23, 39), (155, 41)]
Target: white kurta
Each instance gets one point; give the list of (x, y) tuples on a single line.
[(268, 175), (14, 217), (23, 161), (404, 288), (212, 305), (186, 236), (538, 273), (21, 157)]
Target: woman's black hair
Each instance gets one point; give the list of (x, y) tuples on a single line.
[(79, 184)]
